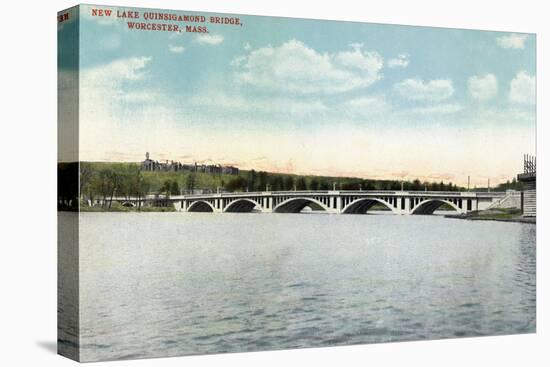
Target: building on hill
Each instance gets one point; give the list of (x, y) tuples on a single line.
[(230, 170), (148, 164), (171, 166)]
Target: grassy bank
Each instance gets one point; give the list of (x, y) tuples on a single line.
[(117, 207), (503, 215)]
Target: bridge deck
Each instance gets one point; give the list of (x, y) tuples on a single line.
[(457, 194)]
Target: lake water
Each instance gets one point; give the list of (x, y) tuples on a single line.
[(166, 284)]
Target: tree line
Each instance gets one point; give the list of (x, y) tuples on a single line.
[(510, 185), (260, 180), (116, 180), (104, 182)]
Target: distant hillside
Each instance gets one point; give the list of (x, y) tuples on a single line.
[(127, 175)]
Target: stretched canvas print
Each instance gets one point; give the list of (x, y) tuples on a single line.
[(233, 183)]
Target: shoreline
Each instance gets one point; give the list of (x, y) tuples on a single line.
[(518, 219)]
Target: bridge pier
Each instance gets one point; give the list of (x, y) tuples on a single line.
[(339, 206), (402, 206), (267, 203)]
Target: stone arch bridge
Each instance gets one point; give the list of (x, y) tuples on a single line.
[(338, 202)]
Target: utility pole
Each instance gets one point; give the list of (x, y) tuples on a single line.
[(468, 183), (334, 186), (488, 185), (401, 185)]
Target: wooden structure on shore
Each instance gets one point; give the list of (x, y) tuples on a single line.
[(529, 192)]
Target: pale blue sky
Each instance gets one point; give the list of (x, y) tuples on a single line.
[(311, 96)]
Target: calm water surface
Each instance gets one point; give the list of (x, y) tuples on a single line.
[(162, 284)]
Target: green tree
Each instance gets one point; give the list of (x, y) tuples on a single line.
[(191, 182), (301, 184), (165, 188), (116, 182), (103, 185), (86, 174), (262, 181), (142, 187), (277, 183), (394, 185), (237, 183), (174, 188), (368, 185), (288, 183), (416, 185), (106, 184), (314, 184), (252, 180), (325, 185)]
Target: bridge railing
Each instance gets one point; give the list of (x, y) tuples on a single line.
[(491, 194), (399, 192), (423, 193)]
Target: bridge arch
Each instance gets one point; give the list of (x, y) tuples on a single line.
[(296, 204), (431, 205), (129, 204), (362, 205), (200, 206), (243, 205)]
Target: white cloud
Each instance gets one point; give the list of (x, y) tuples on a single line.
[(119, 100), (176, 35), (419, 90), (239, 60), (109, 83), (296, 68), (523, 88), (110, 75), (512, 41), (176, 49), (483, 87), (368, 62), (209, 39), (401, 61)]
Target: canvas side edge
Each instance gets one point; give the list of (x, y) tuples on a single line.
[(68, 310)]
